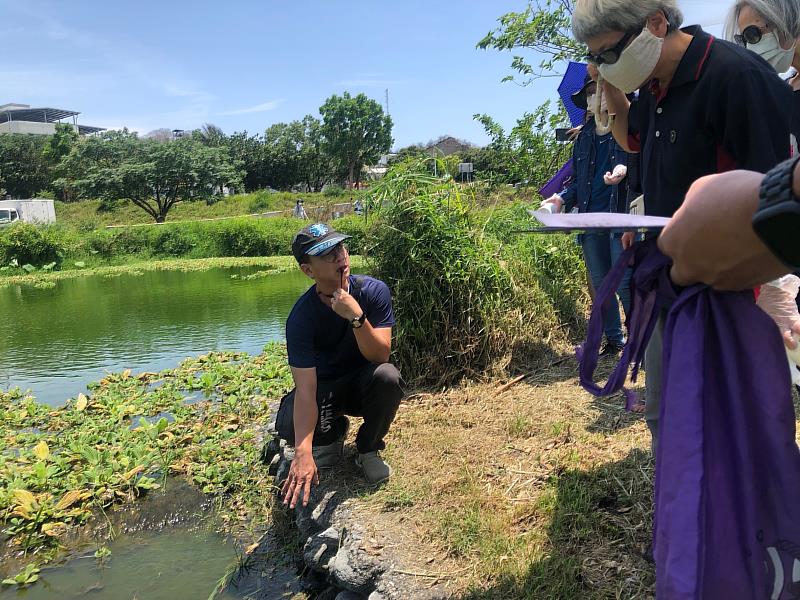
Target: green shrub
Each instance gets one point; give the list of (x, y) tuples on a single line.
[(132, 240), (334, 190), (255, 237), (30, 244), (463, 307), (261, 202), (173, 241), (504, 221), (355, 226)]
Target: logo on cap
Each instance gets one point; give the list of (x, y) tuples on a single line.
[(318, 229)]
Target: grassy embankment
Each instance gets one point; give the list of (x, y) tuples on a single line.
[(88, 215), (536, 491)]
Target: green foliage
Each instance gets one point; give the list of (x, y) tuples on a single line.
[(153, 175), (334, 191), (355, 133), (268, 237), (543, 28), (60, 143), (173, 241), (28, 575), (117, 443), (24, 169), (29, 244), (50, 246), (355, 226), (528, 154), (464, 306), (261, 202), (249, 152)]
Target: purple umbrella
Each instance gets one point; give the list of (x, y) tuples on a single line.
[(571, 83)]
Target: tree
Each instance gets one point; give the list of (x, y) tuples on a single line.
[(58, 146), (544, 27), (211, 135), (156, 175), (60, 143), (105, 150), (355, 133), (159, 135), (24, 169), (529, 153), (249, 152), (316, 167), (282, 142)]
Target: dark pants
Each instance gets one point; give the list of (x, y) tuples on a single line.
[(372, 392)]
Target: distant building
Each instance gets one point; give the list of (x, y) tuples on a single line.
[(22, 118), (448, 145)]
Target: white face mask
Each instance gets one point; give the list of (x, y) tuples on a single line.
[(591, 100), (769, 48), (636, 63)]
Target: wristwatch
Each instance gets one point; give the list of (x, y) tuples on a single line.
[(777, 220), (359, 321)]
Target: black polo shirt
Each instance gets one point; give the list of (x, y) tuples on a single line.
[(724, 109)]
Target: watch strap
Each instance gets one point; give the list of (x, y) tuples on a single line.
[(776, 187)]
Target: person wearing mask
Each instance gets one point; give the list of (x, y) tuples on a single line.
[(705, 106), (299, 211), (598, 185), (771, 29)]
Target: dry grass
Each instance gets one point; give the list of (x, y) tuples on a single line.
[(538, 492)]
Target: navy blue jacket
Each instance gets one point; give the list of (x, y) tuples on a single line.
[(579, 189)]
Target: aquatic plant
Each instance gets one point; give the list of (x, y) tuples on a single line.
[(58, 466)]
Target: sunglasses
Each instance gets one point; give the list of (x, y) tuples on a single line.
[(751, 35), (330, 257), (611, 56)]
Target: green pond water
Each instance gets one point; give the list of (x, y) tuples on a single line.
[(55, 341), (164, 548)]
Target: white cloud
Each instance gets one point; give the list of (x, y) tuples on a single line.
[(264, 107)]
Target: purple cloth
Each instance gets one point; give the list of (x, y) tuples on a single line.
[(727, 497), (558, 182)]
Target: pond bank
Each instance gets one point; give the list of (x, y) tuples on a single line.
[(544, 494), (271, 265), (60, 466)]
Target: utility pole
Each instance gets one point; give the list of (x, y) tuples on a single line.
[(387, 102)]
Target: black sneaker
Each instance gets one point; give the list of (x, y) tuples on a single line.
[(612, 349)]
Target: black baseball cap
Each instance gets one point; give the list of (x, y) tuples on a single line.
[(316, 240), (579, 97)]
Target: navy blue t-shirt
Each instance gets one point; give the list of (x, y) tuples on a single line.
[(316, 337), (600, 200)]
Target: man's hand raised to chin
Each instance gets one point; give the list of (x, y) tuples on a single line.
[(344, 305)]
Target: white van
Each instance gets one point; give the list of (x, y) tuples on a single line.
[(8, 216)]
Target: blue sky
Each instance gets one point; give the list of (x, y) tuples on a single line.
[(244, 65)]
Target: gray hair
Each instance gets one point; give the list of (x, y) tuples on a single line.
[(783, 15), (596, 17)]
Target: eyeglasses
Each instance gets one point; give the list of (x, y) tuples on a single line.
[(611, 56), (333, 255), (751, 35)]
